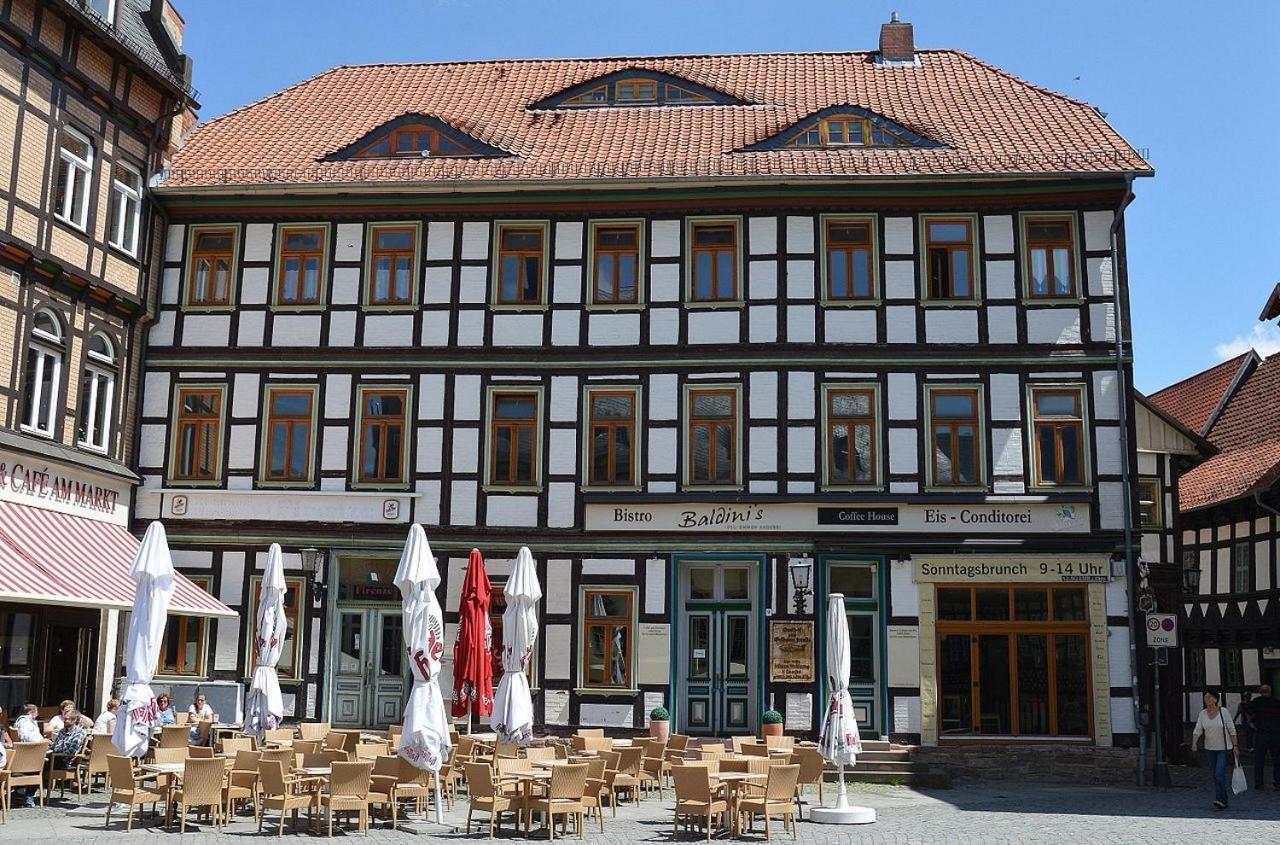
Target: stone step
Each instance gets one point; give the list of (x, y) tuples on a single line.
[(903, 766), (884, 756), (919, 779)]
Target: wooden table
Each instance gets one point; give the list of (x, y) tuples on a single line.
[(527, 781), (733, 782), (316, 771)]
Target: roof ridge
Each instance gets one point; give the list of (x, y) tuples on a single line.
[(629, 58), (274, 94)]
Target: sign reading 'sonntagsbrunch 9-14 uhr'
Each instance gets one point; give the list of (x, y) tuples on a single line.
[(1024, 515)]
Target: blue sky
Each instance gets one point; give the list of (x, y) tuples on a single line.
[(1192, 82)]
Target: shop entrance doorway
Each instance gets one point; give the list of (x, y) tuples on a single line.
[(372, 675), (718, 652)]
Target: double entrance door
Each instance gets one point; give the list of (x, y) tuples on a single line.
[(718, 649), (372, 677)]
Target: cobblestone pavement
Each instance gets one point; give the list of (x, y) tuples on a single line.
[(985, 813)]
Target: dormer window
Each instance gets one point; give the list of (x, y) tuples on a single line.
[(847, 130), (636, 91), (632, 88), (416, 136), (105, 9)]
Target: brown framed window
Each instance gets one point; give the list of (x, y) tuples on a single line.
[(513, 438), (612, 422), (289, 433), (393, 255), (636, 91), (616, 265), (213, 254), (300, 270), (1057, 417), (607, 639), (954, 429), (845, 130), (712, 442), (382, 436), (714, 262), (852, 433), (414, 140), (850, 248), (1050, 256), (677, 95), (521, 256), (198, 434), (290, 653), (497, 607), (1150, 498), (182, 651), (949, 258)]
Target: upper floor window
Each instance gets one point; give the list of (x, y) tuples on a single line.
[(949, 264), (289, 433), (611, 457), (212, 262), (514, 425), (1150, 499), (105, 9), (126, 207), (521, 263), (1050, 251), (383, 420), (75, 178), (850, 258), (97, 394), (300, 267), (615, 250), (847, 130), (713, 261), (414, 139), (852, 436), (1058, 419), (955, 425), (44, 374), (711, 442), (393, 256), (1242, 567), (197, 451)]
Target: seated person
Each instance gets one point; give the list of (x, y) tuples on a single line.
[(164, 709), (69, 739), (200, 711), (106, 722), (58, 722), (27, 727)]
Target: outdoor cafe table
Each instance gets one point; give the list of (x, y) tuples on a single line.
[(733, 782), (316, 771)]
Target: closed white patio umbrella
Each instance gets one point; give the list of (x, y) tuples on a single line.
[(264, 705), (839, 742), (512, 717), (152, 573), (425, 741)]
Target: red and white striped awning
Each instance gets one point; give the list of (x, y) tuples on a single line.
[(57, 558)]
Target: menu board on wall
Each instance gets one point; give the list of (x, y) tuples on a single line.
[(791, 651)]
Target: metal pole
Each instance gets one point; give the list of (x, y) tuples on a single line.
[(1161, 775), (842, 802)]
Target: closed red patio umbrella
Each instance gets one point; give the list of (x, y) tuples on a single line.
[(472, 650)]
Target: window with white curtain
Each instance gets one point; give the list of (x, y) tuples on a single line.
[(97, 394), (75, 174), (126, 207), (43, 376)]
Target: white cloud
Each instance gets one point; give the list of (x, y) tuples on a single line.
[(1264, 338)]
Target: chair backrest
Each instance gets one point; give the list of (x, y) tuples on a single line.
[(272, 774), (307, 746), (181, 719), (561, 751), (336, 755), (506, 748), (595, 768), (99, 751), (755, 765), (202, 782), (693, 782), (479, 780), (629, 759), (784, 741), (509, 765), (734, 765), (711, 748), (811, 763), (611, 759), (755, 750), (120, 772), (568, 781), (283, 756), (313, 730), (351, 780), (27, 758), (335, 739), (393, 732), (46, 713), (464, 748), (278, 734), (678, 742), (654, 748), (652, 765), (246, 760), (544, 754), (387, 766), (200, 752), (579, 743), (598, 743), (781, 785), (174, 736), (235, 744), (589, 732), (317, 760), (372, 750), (169, 755), (740, 741)]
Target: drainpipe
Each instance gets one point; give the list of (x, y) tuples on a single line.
[(1257, 500), (1122, 397)]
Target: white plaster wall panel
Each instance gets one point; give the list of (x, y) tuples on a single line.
[(462, 503), (997, 230), (559, 586), (568, 240), (566, 284), (466, 397), (1252, 671), (1111, 504), (665, 238), (295, 330), (435, 328), (1118, 655), (348, 240), (1150, 547), (907, 487), (800, 396), (800, 280), (902, 452), (664, 393), (231, 592), (440, 240), (226, 649), (1105, 396), (564, 399), (951, 326), (151, 445), (240, 482), (342, 328), (333, 450), (173, 240), (517, 329), (1002, 324), (655, 594), (1117, 597), (560, 504), (762, 280), (257, 241), (664, 326), (438, 288), (155, 394), (662, 451), (555, 706), (606, 715), (426, 509), (1053, 325), (899, 280), (566, 328), (849, 325), (383, 330), (430, 456), (899, 236), (345, 289), (662, 487), (431, 396), (1006, 396), (1097, 230), (1102, 323), (762, 450), (511, 510), (1106, 444), (161, 333), (1098, 271), (1147, 463), (799, 234), (1000, 281), (1261, 564), (613, 329), (902, 396), (471, 328), (608, 566), (903, 591), (757, 485), (466, 450), (762, 235), (762, 324), (763, 401), (1122, 716), (253, 328), (562, 451), (801, 323), (714, 326), (557, 651), (170, 283), (192, 558), (664, 283), (475, 240), (802, 487), (900, 323), (1006, 449), (801, 449), (206, 330), (244, 395)]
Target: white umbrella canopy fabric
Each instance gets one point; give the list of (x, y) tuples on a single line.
[(152, 572), (425, 741), (264, 705), (512, 717), (839, 741)]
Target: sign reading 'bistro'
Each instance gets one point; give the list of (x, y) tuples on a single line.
[(1016, 516)]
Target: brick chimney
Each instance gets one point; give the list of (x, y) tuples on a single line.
[(897, 41)]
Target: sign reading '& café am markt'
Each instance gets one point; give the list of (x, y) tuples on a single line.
[(1016, 516)]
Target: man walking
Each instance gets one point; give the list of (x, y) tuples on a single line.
[(1265, 710)]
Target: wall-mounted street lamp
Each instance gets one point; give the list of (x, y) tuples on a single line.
[(313, 565), (801, 569)]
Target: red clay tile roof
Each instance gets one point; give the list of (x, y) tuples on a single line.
[(1248, 433), (987, 121), (1193, 400)]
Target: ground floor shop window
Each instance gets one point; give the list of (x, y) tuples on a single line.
[(1013, 661), (288, 667), (607, 638), (17, 664), (182, 652)]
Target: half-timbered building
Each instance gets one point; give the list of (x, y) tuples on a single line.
[(715, 336)]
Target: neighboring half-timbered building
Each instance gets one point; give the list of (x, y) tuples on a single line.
[(714, 335)]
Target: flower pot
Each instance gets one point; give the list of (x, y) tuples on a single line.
[(660, 731), (772, 730)]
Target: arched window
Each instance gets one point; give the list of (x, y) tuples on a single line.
[(44, 374), (97, 394)]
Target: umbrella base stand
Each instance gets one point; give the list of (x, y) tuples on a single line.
[(843, 812)]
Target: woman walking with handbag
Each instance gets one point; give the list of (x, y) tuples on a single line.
[(1218, 729)]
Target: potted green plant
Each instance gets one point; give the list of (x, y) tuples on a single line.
[(771, 723), (659, 724)]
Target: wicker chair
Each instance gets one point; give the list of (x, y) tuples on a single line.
[(201, 788), (593, 732), (740, 741), (394, 732), (597, 791), (777, 797), (283, 756), (307, 746), (349, 792), (563, 798), (486, 796), (200, 752), (711, 748), (413, 783), (650, 775), (95, 762), (697, 797), (278, 735), (611, 761), (450, 778), (129, 788), (372, 750), (242, 781), (26, 768), (756, 750), (233, 745), (383, 780), (286, 793), (314, 731), (812, 769), (783, 742), (168, 755), (174, 736), (628, 777)]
